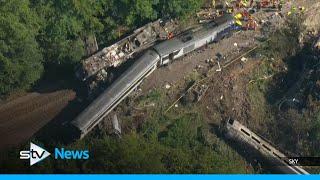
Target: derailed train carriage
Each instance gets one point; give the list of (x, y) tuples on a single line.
[(233, 129), (159, 55)]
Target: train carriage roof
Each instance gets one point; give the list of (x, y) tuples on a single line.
[(189, 37), (107, 98)]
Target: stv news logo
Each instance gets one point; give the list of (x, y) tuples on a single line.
[(37, 154)]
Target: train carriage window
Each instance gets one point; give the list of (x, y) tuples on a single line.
[(185, 37), (276, 155), (255, 139), (266, 147), (245, 132)]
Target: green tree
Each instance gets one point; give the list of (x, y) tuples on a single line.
[(285, 40), (131, 154), (138, 11), (184, 132), (65, 25), (20, 58), (179, 8)]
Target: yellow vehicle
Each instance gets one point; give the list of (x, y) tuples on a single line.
[(238, 22), (244, 3), (238, 16)]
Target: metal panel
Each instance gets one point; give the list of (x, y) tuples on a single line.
[(207, 33), (116, 90)]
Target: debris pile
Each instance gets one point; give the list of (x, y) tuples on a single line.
[(94, 69), (110, 125)]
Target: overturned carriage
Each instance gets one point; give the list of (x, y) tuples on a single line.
[(158, 55)]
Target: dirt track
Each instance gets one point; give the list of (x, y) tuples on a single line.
[(22, 117)]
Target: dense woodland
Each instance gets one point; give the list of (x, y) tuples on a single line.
[(37, 37)]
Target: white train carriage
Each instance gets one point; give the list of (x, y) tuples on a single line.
[(195, 38), (113, 95), (159, 55), (233, 129)]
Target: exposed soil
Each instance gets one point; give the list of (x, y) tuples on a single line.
[(312, 19), (178, 71), (24, 116)]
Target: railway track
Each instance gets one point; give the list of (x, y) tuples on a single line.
[(22, 118)]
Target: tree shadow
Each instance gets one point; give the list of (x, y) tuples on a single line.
[(59, 129), (287, 83), (288, 95), (58, 77)]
